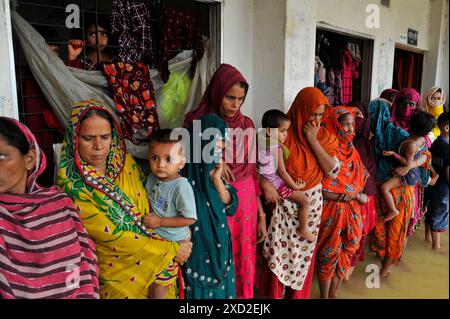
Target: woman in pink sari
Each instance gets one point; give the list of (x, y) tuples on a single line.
[(224, 96), (45, 252)]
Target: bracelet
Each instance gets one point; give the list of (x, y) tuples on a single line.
[(223, 192)]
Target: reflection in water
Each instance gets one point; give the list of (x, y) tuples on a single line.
[(422, 273)]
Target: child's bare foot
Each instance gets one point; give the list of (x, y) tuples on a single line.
[(305, 233), (391, 215)]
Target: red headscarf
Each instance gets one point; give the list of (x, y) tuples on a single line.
[(244, 155), (302, 162), (399, 118), (352, 175)]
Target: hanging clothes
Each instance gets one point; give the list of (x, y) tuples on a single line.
[(320, 76), (181, 30), (349, 73), (130, 20), (134, 97)]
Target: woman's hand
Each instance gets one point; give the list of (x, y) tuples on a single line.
[(389, 153), (184, 252), (400, 171), (270, 193), (217, 172), (227, 174), (345, 197), (262, 230), (362, 198), (432, 180), (74, 48), (310, 129)]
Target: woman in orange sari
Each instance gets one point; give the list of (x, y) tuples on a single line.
[(341, 223), (289, 259)]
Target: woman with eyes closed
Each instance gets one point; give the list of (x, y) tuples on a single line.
[(107, 187)]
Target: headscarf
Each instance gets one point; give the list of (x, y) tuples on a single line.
[(244, 153), (41, 161), (363, 142), (302, 162), (402, 118), (434, 108), (352, 175), (389, 94), (210, 234), (75, 176), (43, 242), (387, 137)]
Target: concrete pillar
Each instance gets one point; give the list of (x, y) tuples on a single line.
[(8, 92), (301, 16)]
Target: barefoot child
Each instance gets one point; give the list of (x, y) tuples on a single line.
[(171, 198), (436, 218), (271, 156), (409, 150)]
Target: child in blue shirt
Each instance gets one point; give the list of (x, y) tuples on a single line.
[(171, 199)]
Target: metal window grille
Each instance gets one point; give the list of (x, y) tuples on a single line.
[(51, 13)]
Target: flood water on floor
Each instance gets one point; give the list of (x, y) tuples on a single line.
[(421, 274)]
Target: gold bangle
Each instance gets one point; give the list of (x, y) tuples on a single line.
[(223, 192), (323, 155)]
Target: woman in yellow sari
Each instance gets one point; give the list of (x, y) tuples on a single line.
[(107, 188)]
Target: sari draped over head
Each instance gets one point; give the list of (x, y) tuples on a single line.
[(364, 144), (111, 207), (341, 222), (389, 94), (387, 137), (302, 162), (210, 266), (402, 120), (45, 252), (434, 108), (353, 175), (243, 147), (387, 239)]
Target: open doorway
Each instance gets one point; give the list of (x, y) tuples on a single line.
[(408, 66)]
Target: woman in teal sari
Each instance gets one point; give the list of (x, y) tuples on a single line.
[(209, 271)]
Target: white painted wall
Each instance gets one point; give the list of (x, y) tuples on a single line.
[(299, 47), (8, 95), (268, 52), (394, 23), (237, 45)]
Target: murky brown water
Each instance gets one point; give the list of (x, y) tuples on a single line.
[(422, 274)]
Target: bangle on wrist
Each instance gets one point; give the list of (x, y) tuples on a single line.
[(224, 191)]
